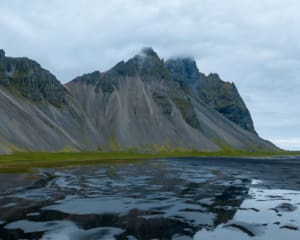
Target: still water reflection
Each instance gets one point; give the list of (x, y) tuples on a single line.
[(157, 199)]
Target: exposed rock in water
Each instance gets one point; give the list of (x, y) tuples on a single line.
[(285, 207), (290, 227)]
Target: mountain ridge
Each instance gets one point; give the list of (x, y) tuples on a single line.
[(143, 104)]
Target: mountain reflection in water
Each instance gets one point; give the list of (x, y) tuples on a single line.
[(155, 199)]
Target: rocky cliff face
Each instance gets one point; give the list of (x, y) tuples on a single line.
[(225, 98), (31, 80), (215, 93), (144, 104), (36, 111)]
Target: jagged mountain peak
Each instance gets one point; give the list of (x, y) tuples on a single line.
[(185, 60), (148, 52), (146, 64), (2, 53), (90, 78), (31, 80), (147, 56), (225, 98), (183, 70), (144, 56), (214, 75)]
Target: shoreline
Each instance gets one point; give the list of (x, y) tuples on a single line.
[(28, 161)]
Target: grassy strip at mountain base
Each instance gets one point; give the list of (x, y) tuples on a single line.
[(26, 161)]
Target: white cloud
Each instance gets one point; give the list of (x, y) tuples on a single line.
[(252, 43)]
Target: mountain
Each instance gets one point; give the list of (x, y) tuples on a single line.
[(217, 94), (143, 104), (37, 112)]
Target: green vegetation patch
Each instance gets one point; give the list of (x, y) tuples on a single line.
[(22, 162)]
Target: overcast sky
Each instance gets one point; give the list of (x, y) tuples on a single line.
[(254, 43)]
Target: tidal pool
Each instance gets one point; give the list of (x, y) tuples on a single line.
[(191, 198)]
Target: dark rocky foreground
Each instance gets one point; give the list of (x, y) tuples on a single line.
[(157, 199)]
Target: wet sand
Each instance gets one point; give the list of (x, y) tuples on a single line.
[(206, 198)]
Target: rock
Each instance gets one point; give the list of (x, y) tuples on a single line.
[(285, 207), (2, 53), (184, 70), (290, 227), (31, 80), (219, 95), (225, 98)]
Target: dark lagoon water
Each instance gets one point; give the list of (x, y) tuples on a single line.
[(179, 199)]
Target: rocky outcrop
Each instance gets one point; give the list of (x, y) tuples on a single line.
[(184, 71), (215, 93), (225, 98), (143, 104), (31, 80), (37, 113)]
